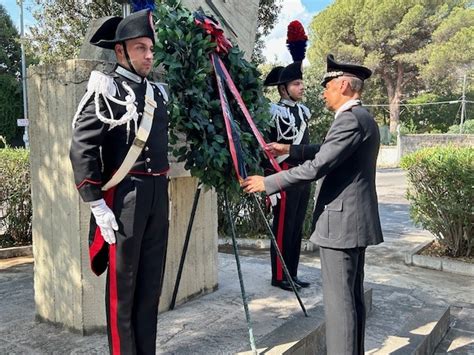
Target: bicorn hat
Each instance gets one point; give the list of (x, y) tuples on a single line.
[(116, 29), (335, 70), (291, 72), (273, 77)]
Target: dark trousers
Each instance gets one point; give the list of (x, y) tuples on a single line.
[(288, 219), (136, 264), (343, 295)]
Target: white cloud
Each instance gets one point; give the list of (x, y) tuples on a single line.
[(275, 43)]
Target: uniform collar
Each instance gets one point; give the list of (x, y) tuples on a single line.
[(346, 106), (288, 102), (128, 74)]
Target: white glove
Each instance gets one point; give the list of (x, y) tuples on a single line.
[(105, 219)]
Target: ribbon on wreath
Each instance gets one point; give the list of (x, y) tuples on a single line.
[(212, 27)]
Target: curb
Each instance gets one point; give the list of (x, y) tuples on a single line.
[(6, 253), (437, 263), (306, 245)]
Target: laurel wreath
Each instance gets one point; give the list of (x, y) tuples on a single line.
[(197, 128)]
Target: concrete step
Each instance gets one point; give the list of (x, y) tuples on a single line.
[(397, 323), (459, 339), (403, 323), (301, 335)]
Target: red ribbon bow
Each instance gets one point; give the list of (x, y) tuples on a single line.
[(213, 28)]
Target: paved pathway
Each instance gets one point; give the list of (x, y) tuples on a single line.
[(214, 324)]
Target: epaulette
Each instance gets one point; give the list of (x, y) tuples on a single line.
[(161, 87), (101, 84), (306, 111), (278, 111)]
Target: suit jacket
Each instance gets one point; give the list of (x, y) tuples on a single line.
[(97, 152), (346, 211)]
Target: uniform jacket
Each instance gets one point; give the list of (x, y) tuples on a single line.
[(97, 152), (297, 155), (346, 211)]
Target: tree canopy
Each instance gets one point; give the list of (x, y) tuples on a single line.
[(10, 87), (62, 24), (409, 44), (10, 53)]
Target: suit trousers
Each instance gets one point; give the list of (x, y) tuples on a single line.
[(343, 295), (136, 264), (288, 219)]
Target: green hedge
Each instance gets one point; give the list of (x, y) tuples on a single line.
[(441, 181), (15, 197), (468, 128)]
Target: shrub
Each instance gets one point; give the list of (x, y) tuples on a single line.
[(468, 128), (441, 195), (15, 197)]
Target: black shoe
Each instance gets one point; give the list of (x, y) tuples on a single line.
[(301, 283), (284, 285)]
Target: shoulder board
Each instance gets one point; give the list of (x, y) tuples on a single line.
[(278, 111), (101, 83), (306, 111), (162, 89)]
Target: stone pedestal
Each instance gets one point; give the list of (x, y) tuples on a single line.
[(66, 291)]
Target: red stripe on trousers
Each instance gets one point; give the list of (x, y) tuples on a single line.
[(281, 229), (113, 295), (94, 249)]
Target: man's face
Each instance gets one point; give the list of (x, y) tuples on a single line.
[(332, 94), (140, 51), (295, 89)]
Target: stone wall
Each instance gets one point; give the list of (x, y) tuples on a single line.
[(389, 156), (66, 291), (412, 142)]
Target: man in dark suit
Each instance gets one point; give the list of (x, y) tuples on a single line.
[(346, 218), (119, 155)]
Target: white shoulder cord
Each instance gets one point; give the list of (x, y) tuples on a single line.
[(102, 84), (282, 115)]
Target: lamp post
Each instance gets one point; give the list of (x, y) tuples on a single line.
[(23, 76), (125, 7)]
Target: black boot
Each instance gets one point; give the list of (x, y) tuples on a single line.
[(301, 283), (284, 285)]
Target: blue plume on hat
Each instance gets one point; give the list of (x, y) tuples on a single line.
[(138, 5), (296, 41)]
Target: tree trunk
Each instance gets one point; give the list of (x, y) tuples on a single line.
[(394, 91), (394, 106)]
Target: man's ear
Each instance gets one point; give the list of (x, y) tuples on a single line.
[(345, 86), (118, 49)]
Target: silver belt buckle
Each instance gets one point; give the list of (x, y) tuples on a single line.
[(139, 142)]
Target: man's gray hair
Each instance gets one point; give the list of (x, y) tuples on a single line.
[(356, 84)]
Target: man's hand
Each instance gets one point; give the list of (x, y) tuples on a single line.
[(253, 184), (105, 219), (278, 149)]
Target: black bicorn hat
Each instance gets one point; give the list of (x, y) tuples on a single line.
[(273, 76), (116, 29), (335, 70), (291, 72)]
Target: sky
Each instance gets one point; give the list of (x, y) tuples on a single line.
[(13, 10), (275, 48), (301, 10)]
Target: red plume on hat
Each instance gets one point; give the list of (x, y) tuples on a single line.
[(296, 41)]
